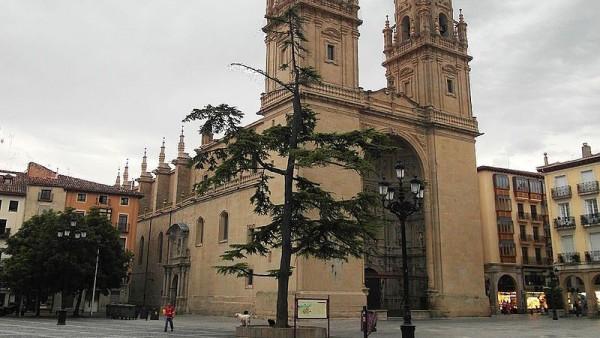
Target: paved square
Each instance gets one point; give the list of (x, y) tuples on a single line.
[(201, 326)]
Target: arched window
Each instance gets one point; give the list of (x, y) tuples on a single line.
[(141, 251), (224, 227), (160, 247), (444, 29), (405, 28), (200, 231)]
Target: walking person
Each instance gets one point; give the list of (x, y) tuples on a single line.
[(169, 312)]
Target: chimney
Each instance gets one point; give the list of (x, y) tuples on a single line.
[(207, 138), (546, 159), (586, 150)]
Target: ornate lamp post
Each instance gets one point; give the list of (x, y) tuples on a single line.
[(68, 233), (402, 205)]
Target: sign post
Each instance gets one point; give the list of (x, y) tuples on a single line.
[(311, 308)]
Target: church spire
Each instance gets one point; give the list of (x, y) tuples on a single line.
[(161, 156), (118, 180), (181, 145), (145, 163), (126, 182)]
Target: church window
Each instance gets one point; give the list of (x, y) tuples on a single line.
[(141, 251), (444, 29), (250, 279), (199, 231), (450, 85), (407, 90), (224, 227), (405, 28), (160, 247), (330, 52)]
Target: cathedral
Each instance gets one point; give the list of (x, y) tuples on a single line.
[(425, 108)]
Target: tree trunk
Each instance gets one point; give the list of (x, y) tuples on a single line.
[(76, 311)]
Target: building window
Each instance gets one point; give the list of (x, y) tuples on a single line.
[(525, 253), (224, 227), (160, 247), (501, 181), (123, 242), (564, 210), (534, 212), (405, 28), (103, 199), (124, 200), (123, 223), (81, 197), (250, 279), (450, 86), (45, 195), (507, 248), (523, 231), (443, 22), (587, 176), (0, 204), (2, 226), (536, 186), (521, 184), (407, 90), (200, 231), (503, 203), (591, 206), (13, 206), (560, 181), (330, 52), (141, 251), (536, 233)]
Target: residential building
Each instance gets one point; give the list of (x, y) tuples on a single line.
[(516, 238), (46, 189), (425, 108), (573, 210), (12, 206)]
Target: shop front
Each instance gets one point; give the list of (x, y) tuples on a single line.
[(507, 295)]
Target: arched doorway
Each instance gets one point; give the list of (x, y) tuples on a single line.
[(596, 282), (173, 291), (507, 295), (373, 283), (576, 294), (385, 251)]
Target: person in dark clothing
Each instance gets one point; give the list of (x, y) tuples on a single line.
[(169, 312)]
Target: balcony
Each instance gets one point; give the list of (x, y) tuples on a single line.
[(536, 261), (4, 234), (569, 258), (526, 238), (564, 223), (590, 220), (508, 259), (537, 218), (523, 216), (587, 188), (539, 240), (123, 227), (562, 192), (592, 256)]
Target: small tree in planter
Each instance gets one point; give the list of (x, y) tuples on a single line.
[(310, 221)]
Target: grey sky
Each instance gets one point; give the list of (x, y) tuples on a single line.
[(85, 84)]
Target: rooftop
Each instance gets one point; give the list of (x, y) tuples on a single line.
[(12, 183), (510, 171)]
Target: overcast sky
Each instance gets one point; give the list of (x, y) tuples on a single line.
[(85, 84)]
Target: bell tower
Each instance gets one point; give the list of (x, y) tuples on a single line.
[(426, 56), (331, 30)]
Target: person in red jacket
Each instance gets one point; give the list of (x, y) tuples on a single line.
[(169, 312)]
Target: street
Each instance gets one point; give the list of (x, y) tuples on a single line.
[(202, 326)]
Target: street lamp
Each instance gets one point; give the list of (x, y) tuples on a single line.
[(67, 234), (401, 205)]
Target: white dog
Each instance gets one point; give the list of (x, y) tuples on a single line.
[(244, 318)]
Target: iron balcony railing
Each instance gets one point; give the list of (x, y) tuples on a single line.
[(536, 260), (592, 256), (524, 216), (537, 218), (590, 219), (569, 258), (562, 192), (526, 238), (588, 188), (564, 223)]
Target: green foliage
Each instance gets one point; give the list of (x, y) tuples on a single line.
[(41, 261)]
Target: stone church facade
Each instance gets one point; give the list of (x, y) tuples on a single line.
[(426, 108)]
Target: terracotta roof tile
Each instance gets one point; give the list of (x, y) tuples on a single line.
[(76, 184), (12, 183)]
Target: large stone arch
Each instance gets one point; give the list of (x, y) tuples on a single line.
[(385, 253), (574, 289)]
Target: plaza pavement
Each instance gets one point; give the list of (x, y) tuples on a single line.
[(201, 326)]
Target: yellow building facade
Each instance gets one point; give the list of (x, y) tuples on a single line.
[(516, 239), (425, 108), (573, 209)]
